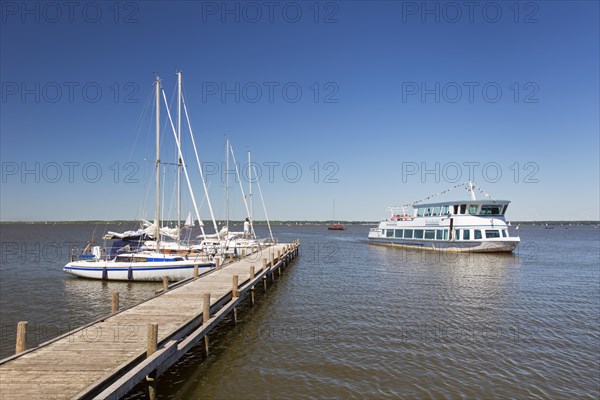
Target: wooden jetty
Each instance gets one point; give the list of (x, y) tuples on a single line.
[(107, 358)]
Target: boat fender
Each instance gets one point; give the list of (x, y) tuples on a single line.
[(129, 274), (104, 274)]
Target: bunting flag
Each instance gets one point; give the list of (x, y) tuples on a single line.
[(486, 195), (465, 185)]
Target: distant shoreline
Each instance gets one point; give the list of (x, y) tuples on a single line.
[(293, 223)]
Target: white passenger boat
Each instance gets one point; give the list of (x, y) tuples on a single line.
[(461, 226)]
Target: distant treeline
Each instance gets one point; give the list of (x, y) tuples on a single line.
[(206, 223), (257, 222), (555, 222)]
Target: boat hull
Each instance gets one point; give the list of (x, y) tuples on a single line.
[(136, 271), (505, 245)]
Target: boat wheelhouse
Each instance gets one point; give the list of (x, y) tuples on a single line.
[(462, 226)]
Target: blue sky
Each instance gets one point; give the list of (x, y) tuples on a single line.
[(361, 98)]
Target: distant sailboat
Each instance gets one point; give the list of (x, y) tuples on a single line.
[(189, 221), (335, 226)]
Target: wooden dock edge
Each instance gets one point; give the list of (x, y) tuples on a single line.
[(119, 382)]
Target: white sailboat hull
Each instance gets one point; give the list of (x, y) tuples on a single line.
[(137, 271)]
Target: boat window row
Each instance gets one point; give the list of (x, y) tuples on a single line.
[(432, 211), (462, 209), (467, 234), (432, 234), (442, 234), (135, 259)]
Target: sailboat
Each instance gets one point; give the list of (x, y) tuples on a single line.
[(232, 242), (130, 259), (335, 226)]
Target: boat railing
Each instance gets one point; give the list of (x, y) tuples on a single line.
[(404, 217), (78, 254)]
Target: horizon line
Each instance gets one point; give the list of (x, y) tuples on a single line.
[(280, 221)]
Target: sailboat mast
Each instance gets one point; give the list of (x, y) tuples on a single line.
[(227, 184), (250, 192), (178, 157), (334, 211), (157, 216)]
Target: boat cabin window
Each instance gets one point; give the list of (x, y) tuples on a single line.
[(398, 233), (463, 208), (436, 210), (389, 233), (429, 211), (418, 233), (504, 233), (444, 210), (439, 234), (473, 209), (466, 234), (477, 234), (429, 234), (408, 234), (445, 234), (420, 212), (504, 209), (491, 209), (455, 207), (492, 234)]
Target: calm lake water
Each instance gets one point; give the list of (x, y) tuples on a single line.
[(354, 321)]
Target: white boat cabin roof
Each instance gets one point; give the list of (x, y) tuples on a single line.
[(458, 207), (457, 202)]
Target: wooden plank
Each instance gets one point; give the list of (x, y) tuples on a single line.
[(111, 350)]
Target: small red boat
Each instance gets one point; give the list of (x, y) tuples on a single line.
[(336, 227)]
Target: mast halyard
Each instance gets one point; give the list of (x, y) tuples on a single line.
[(212, 214), (187, 177), (237, 175)]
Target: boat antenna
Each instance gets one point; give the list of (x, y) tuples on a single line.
[(471, 189)]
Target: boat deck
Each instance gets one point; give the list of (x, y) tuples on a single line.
[(107, 358)]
